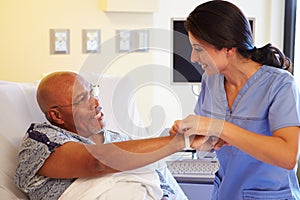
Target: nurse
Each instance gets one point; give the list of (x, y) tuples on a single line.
[(249, 100)]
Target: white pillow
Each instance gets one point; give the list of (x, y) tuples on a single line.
[(18, 108)]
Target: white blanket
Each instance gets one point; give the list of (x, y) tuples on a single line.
[(132, 185)]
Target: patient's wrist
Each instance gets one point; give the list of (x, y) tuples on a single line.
[(179, 141), (187, 142)]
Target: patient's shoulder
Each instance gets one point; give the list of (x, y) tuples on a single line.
[(113, 136), (47, 134)]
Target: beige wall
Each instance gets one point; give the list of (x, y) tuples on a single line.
[(24, 35), (24, 32)]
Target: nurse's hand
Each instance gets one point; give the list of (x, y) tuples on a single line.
[(188, 126), (181, 126), (201, 126), (198, 125), (175, 127)]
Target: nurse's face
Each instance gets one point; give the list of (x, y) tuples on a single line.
[(212, 60)]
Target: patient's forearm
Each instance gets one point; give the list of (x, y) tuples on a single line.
[(133, 154), (74, 159)]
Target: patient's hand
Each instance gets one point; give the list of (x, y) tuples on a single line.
[(202, 143), (220, 143), (197, 141)]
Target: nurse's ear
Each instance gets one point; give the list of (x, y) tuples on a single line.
[(230, 51)]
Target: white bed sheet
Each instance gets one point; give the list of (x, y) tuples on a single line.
[(139, 184)]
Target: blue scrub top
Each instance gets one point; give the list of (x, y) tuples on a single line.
[(268, 101)]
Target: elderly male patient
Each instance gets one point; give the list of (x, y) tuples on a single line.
[(76, 145)]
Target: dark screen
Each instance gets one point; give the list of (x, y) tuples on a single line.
[(183, 69)]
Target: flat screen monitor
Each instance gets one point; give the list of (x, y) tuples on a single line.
[(183, 70)]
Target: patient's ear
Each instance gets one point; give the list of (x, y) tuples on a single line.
[(55, 116)]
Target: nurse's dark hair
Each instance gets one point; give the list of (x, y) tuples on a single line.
[(223, 25)]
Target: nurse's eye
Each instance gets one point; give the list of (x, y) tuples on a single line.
[(198, 49)]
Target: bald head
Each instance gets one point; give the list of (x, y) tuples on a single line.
[(56, 89)]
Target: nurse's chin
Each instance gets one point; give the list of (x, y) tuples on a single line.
[(209, 70)]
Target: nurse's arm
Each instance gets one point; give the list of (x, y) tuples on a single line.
[(281, 149)]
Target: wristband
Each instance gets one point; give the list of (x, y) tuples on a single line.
[(187, 142)]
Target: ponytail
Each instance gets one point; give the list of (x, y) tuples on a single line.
[(272, 56)]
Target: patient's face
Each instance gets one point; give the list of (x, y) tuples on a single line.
[(84, 117)]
